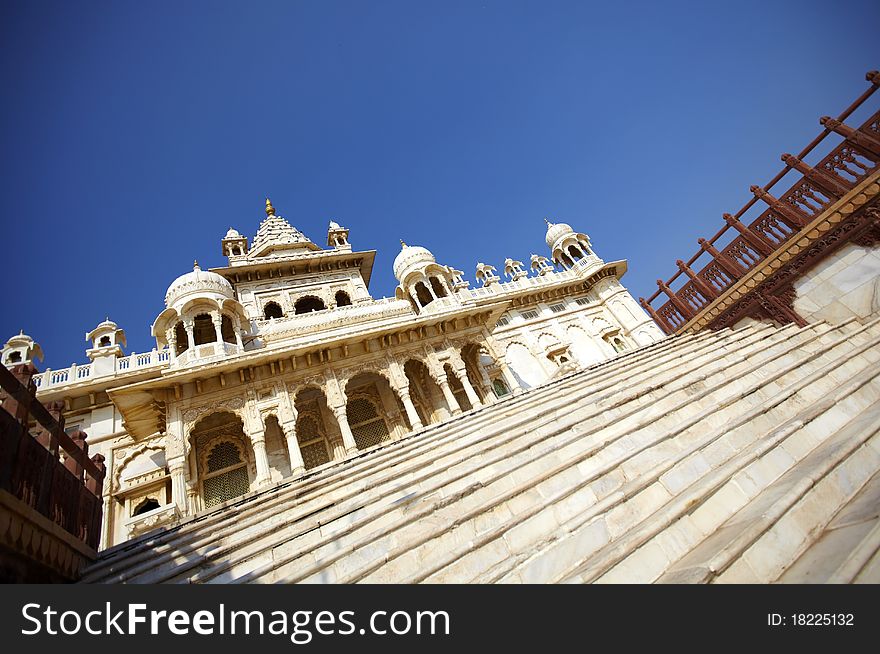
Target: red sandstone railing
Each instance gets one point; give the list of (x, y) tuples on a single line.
[(815, 188), (68, 492)]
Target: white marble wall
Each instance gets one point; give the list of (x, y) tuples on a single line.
[(843, 286)]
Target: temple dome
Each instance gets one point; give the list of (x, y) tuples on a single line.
[(555, 231), (198, 281), (411, 255), (232, 233)]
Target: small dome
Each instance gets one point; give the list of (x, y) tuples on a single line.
[(198, 281), (334, 225), (232, 233), (555, 231), (27, 349), (106, 324), (411, 255)]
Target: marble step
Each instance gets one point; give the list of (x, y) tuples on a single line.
[(845, 548), (148, 547), (525, 481), (749, 478), (539, 525)]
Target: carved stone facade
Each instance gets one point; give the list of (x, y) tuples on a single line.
[(282, 362)]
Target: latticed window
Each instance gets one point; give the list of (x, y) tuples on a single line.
[(226, 475), (530, 314), (312, 444), (368, 427), (557, 308)]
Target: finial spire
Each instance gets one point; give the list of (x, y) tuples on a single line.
[(270, 210), (402, 244), (548, 222), (196, 265)]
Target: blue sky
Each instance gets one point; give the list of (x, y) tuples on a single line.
[(134, 134)]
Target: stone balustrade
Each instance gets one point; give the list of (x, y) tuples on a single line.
[(123, 365), (354, 314)]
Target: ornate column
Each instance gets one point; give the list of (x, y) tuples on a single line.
[(411, 413), (344, 428), (189, 327), (400, 385), (461, 373), (443, 382), (258, 442), (171, 338), (297, 465), (336, 402), (237, 327), (217, 319), (177, 468)]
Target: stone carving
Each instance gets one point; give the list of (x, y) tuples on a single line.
[(233, 404)]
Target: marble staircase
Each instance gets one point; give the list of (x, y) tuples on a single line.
[(748, 455)]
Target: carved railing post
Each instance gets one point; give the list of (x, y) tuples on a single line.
[(79, 439), (702, 287), (730, 266), (45, 437), (759, 242), (861, 139), (682, 307), (20, 409), (789, 213), (96, 483), (827, 183)]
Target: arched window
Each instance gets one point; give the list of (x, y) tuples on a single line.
[(312, 443), (575, 252), (272, 310), (203, 330), (366, 424), (439, 290), (147, 505), (618, 344), (500, 388), (226, 474), (181, 338), (14, 357), (342, 299), (226, 329), (104, 342), (424, 295), (308, 304)]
